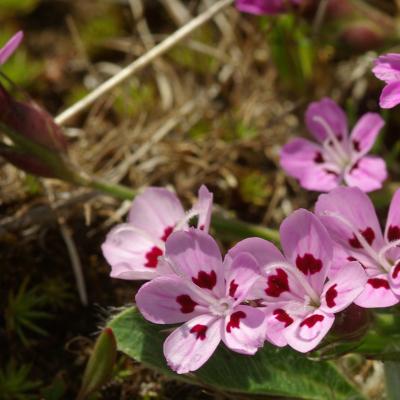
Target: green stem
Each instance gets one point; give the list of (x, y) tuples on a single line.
[(119, 191), (392, 379)]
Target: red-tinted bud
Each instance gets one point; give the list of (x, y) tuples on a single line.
[(362, 36), (32, 122)]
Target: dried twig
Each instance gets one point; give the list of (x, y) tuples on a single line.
[(156, 51)]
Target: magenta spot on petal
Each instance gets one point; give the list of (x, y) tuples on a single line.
[(232, 288), (368, 234), (234, 321), (312, 320), (186, 303), (152, 257), (308, 264), (393, 233), (378, 283), (283, 316), (331, 295), (200, 331), (277, 284), (396, 271), (206, 280), (319, 159), (167, 232), (356, 145)]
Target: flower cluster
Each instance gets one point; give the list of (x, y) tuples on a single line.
[(256, 293)]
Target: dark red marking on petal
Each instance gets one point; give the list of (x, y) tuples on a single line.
[(330, 172), (186, 303), (282, 316), (200, 331), (206, 280), (234, 321), (368, 234), (350, 258), (331, 295), (232, 288), (152, 257), (356, 145), (339, 137), (319, 159), (396, 271), (201, 227), (167, 232), (277, 284), (312, 320), (355, 166), (393, 233), (378, 283), (308, 264)]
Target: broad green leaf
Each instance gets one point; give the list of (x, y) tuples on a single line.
[(271, 371)]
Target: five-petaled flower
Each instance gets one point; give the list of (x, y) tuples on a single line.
[(206, 294), (8, 49), (338, 157), (133, 249), (350, 218), (300, 301), (387, 69), (263, 7)]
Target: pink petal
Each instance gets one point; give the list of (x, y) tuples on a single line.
[(304, 161), (394, 278), (306, 333), (156, 211), (390, 96), (387, 67), (244, 330), (278, 318), (368, 174), (307, 245), (204, 207), (377, 293), (260, 7), (169, 300), (131, 254), (332, 114), (346, 210), (341, 291), (365, 132), (188, 347), (242, 274), (196, 256), (8, 49), (262, 250), (392, 230)]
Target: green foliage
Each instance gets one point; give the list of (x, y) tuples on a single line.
[(272, 371), (23, 309), (15, 383), (17, 6), (254, 188), (57, 292)]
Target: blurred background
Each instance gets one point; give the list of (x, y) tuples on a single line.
[(215, 109)]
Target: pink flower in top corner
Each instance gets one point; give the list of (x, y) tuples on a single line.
[(8, 49), (262, 7), (387, 69), (300, 301), (350, 218), (338, 157), (206, 294), (133, 249)]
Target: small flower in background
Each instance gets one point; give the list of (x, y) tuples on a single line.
[(351, 220), (387, 69), (337, 158), (300, 303), (133, 248), (206, 294), (8, 49), (262, 7)]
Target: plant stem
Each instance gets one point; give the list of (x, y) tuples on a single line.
[(113, 189)]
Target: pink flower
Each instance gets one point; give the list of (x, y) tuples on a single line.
[(206, 294), (133, 249), (262, 7), (350, 218), (337, 157), (8, 49), (387, 69), (300, 302)]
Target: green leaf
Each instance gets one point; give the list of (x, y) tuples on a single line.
[(272, 371)]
